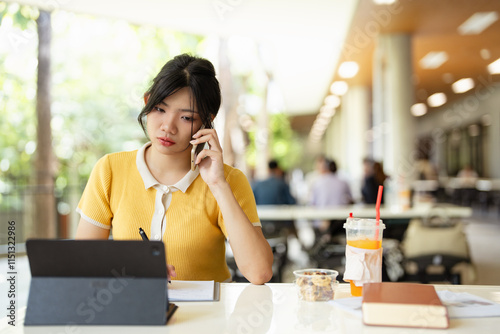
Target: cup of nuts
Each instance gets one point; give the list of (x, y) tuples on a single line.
[(316, 284)]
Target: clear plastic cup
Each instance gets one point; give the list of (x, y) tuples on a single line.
[(366, 234), (316, 284)]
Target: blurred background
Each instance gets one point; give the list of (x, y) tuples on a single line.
[(402, 82)]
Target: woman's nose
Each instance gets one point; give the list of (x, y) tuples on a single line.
[(168, 124)]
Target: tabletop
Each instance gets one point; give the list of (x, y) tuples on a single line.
[(294, 212), (273, 308)]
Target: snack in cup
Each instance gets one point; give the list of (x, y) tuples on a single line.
[(316, 284)]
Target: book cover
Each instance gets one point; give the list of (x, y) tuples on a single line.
[(403, 305)]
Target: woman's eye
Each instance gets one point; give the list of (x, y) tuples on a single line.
[(158, 109), (187, 118)]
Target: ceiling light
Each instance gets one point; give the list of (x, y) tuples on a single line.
[(339, 88), (433, 59), (477, 23), (494, 67), (348, 69), (332, 101), (462, 85), (418, 109), (436, 100)]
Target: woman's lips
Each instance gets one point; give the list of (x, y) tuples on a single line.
[(166, 141)]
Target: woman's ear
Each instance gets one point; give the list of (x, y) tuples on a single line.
[(146, 98)]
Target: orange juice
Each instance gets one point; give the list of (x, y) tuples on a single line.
[(357, 291)]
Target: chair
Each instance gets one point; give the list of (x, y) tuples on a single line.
[(433, 249)]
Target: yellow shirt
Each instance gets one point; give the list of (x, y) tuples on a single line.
[(122, 195)]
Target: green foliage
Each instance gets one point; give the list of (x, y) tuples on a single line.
[(285, 145), (100, 71)]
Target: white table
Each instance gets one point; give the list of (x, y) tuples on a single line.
[(273, 308), (295, 212)]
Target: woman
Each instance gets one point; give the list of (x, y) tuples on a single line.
[(154, 188), (374, 177)]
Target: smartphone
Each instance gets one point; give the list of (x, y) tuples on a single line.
[(195, 150)]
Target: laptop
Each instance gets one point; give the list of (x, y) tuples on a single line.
[(97, 282)]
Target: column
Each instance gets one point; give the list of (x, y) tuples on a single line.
[(355, 125), (392, 100)]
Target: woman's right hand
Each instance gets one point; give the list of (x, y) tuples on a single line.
[(171, 271)]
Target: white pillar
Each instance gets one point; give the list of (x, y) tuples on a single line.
[(378, 104), (393, 98), (355, 124)]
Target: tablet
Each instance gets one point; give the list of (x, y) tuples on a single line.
[(97, 282)]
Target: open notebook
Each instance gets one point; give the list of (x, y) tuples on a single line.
[(190, 291)]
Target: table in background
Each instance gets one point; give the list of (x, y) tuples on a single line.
[(273, 308), (296, 212), (396, 220)]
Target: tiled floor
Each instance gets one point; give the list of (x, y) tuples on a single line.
[(483, 235)]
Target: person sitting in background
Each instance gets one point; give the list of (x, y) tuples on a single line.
[(374, 177), (467, 177), (328, 190), (274, 191), (425, 169)]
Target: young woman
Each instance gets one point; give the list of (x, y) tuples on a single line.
[(154, 188)]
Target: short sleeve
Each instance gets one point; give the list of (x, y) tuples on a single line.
[(243, 193), (94, 204)]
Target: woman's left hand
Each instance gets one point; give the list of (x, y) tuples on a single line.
[(209, 161)]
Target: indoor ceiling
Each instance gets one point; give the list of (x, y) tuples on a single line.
[(306, 38), (433, 26)]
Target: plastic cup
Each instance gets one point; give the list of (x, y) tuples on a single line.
[(316, 284), (366, 234)]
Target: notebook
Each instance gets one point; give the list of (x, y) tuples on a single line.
[(97, 282), (403, 304)]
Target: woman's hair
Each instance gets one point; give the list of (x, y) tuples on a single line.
[(186, 71), (378, 172)]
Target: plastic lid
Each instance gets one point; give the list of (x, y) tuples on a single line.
[(363, 223)]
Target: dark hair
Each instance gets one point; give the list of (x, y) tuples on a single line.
[(378, 172), (332, 166), (186, 71), (273, 164)]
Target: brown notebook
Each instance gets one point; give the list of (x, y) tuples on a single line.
[(403, 305)]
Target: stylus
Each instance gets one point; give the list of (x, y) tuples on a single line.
[(143, 234), (145, 238)]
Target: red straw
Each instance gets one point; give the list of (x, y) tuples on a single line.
[(377, 208), (379, 199)]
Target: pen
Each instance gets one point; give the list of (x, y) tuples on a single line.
[(145, 238), (143, 234)]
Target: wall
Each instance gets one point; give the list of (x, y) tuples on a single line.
[(481, 105)]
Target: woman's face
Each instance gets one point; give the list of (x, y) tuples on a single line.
[(170, 123)]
